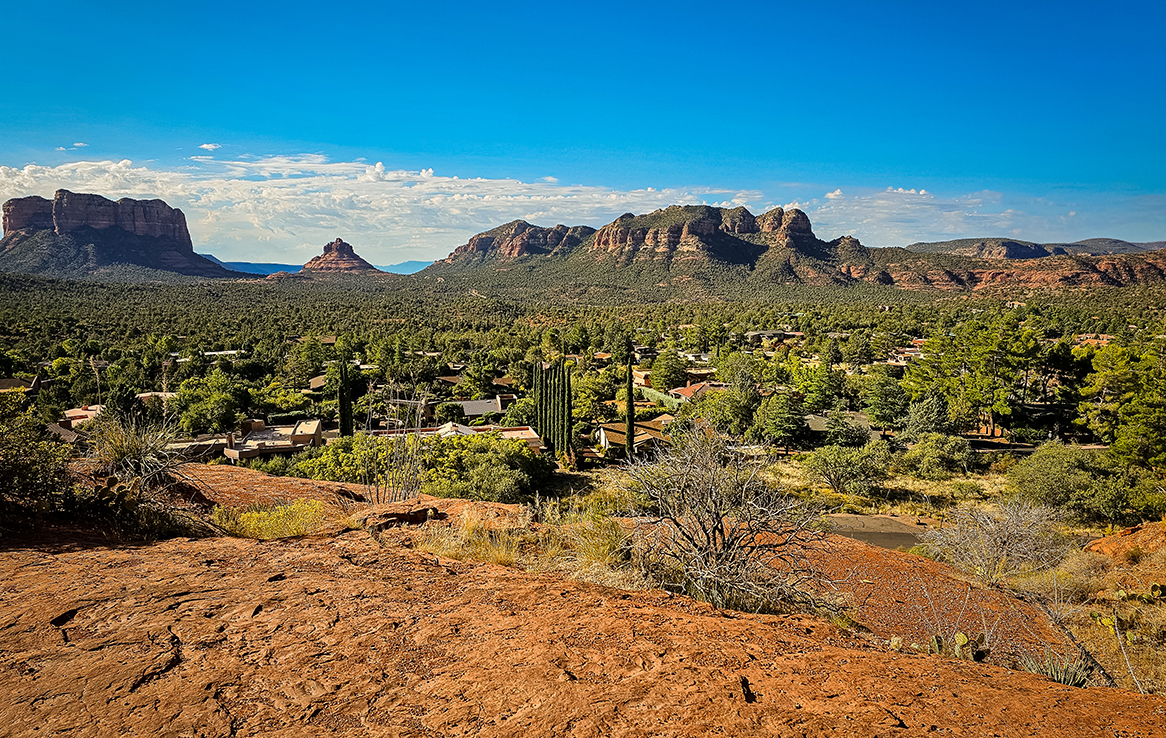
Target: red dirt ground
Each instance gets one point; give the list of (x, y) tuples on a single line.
[(1149, 537), (342, 635), (901, 594)]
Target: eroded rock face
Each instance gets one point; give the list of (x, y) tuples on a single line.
[(69, 211), (34, 213), (338, 256), (770, 221), (519, 238), (343, 636), (681, 229)]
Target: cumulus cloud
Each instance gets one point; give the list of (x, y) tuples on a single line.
[(281, 207), (210, 146), (284, 208), (80, 145), (898, 216)]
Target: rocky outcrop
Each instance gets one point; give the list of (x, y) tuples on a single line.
[(351, 634), (738, 220), (28, 213), (338, 256), (80, 236), (770, 221), (70, 211), (517, 239), (695, 231), (676, 232)]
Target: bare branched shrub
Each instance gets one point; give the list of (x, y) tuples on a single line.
[(993, 546), (393, 468), (721, 534)]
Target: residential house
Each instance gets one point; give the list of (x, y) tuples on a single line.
[(649, 434), (694, 392), (259, 440), (698, 374), (479, 408)]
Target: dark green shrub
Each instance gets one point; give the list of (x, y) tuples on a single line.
[(34, 469), (936, 456)]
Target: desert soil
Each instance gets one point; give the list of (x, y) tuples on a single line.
[(347, 636)]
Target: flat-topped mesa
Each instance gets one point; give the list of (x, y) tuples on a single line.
[(338, 256), (70, 211)]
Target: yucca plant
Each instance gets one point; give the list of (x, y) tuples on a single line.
[(1073, 671)]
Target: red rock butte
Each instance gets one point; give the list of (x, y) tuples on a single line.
[(69, 211), (338, 256)]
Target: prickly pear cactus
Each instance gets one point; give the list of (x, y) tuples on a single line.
[(936, 644)]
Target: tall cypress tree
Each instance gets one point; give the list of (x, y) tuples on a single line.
[(630, 409), (344, 400)]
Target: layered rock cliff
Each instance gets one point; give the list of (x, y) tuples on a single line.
[(700, 232), (78, 235), (338, 256), (70, 211), (517, 239), (682, 237)]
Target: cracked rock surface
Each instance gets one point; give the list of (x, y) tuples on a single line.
[(341, 636)]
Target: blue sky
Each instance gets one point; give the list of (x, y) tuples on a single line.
[(893, 121)]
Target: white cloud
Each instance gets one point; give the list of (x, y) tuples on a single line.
[(899, 216), (80, 145), (552, 180), (210, 146), (284, 206)]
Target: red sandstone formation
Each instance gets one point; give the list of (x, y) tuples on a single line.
[(69, 211), (519, 238), (338, 256)]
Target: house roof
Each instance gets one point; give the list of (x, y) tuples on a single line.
[(694, 391), (65, 434), (307, 427), (645, 431), (475, 408)]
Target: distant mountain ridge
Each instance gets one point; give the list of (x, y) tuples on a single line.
[(263, 268), (706, 252), (1006, 248), (517, 239)]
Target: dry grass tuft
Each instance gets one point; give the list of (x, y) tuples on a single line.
[(475, 535), (266, 521)]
